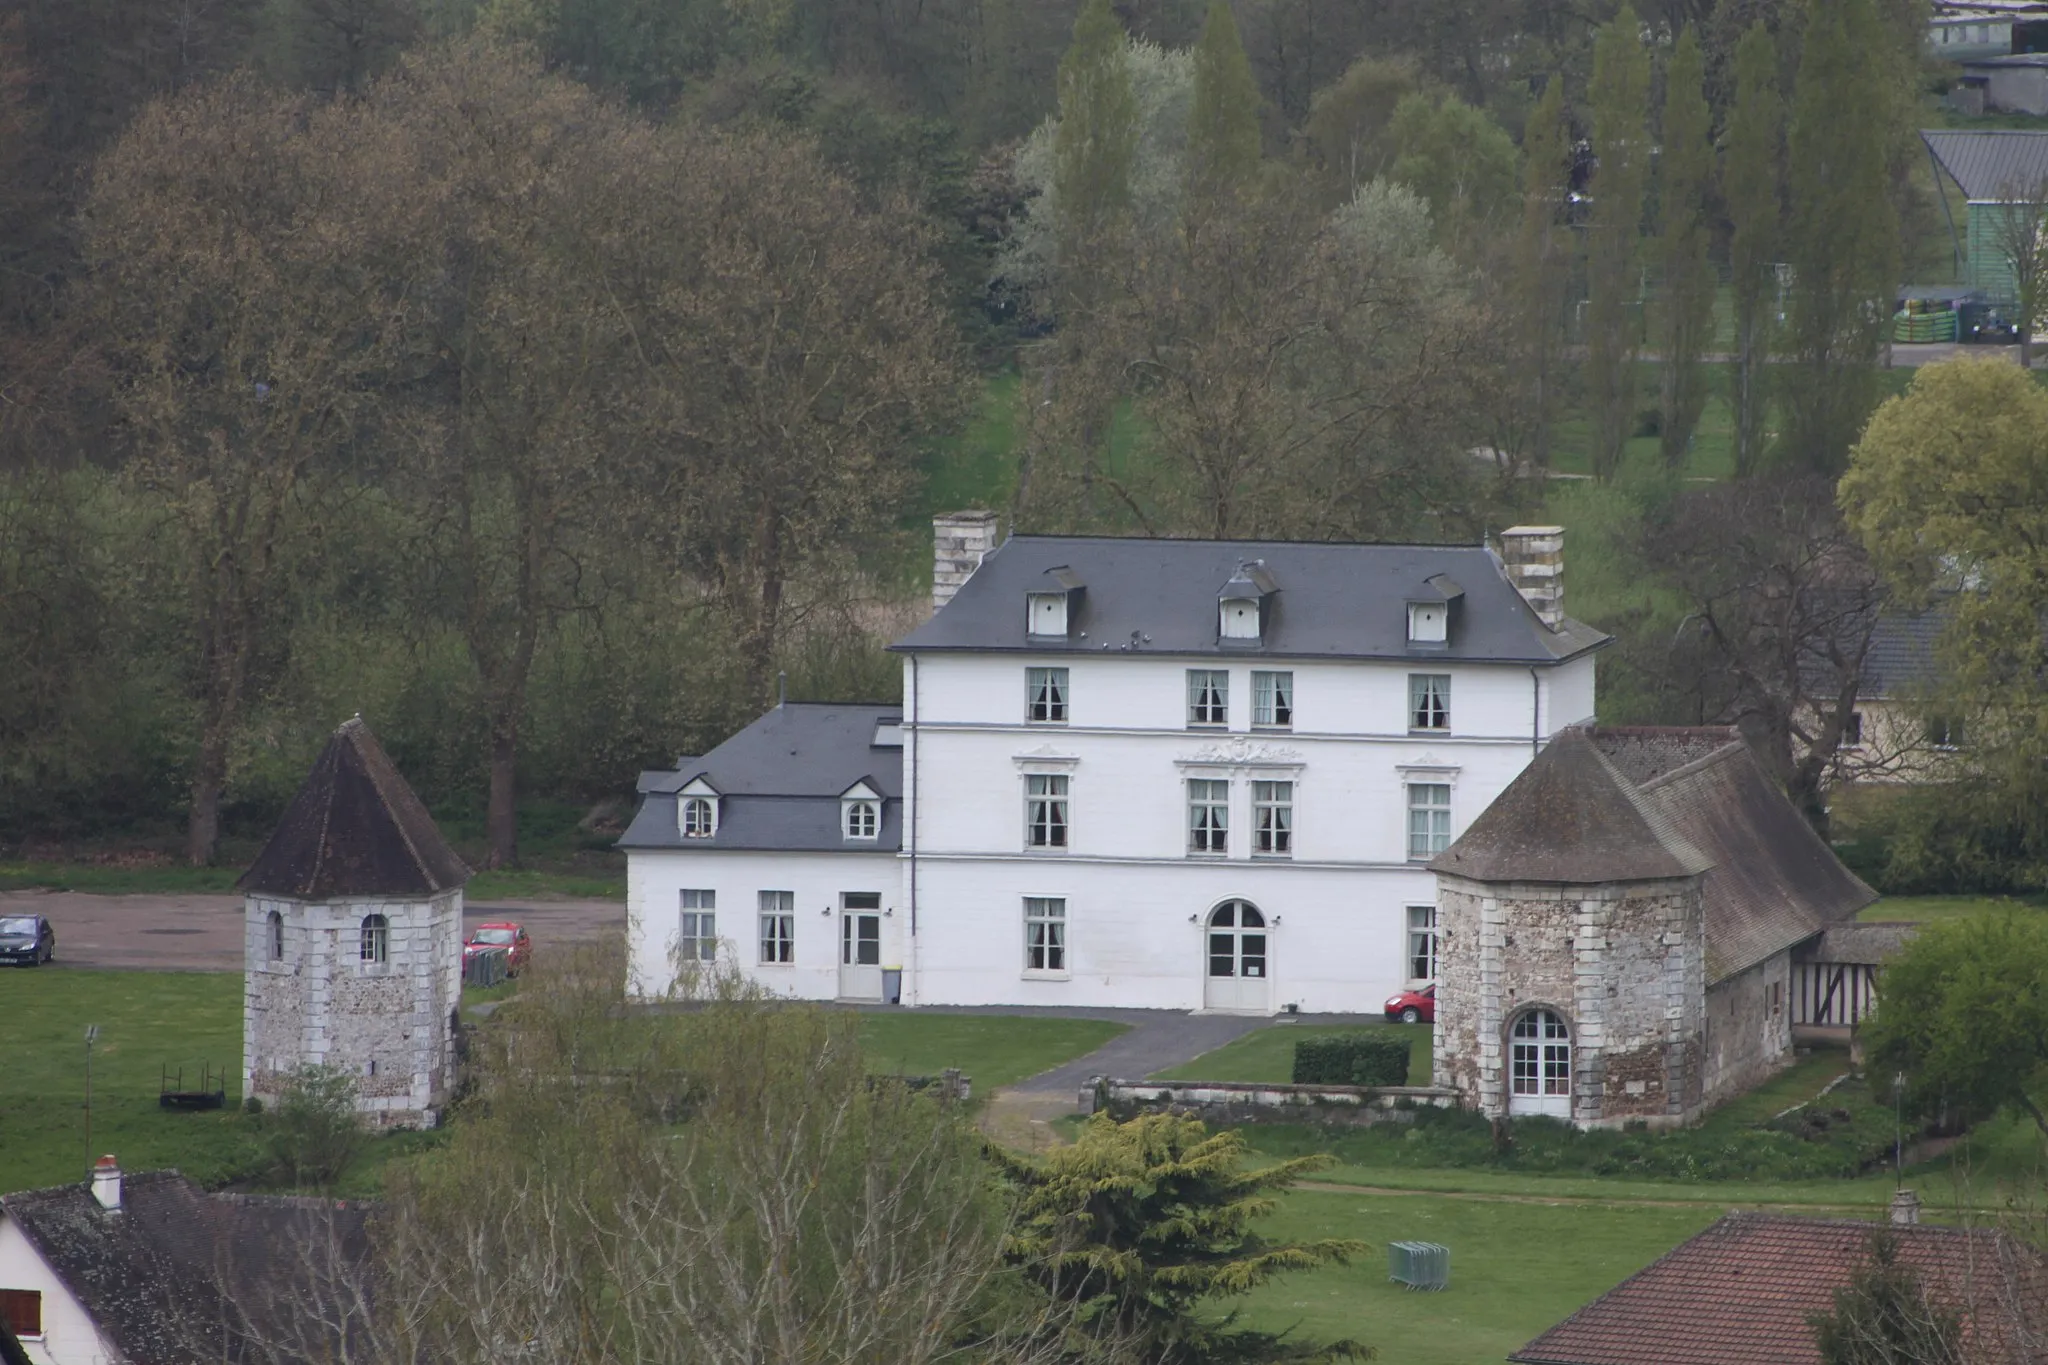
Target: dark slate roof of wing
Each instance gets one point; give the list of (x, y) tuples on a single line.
[(1744, 1291), (1333, 601), (355, 829), (779, 782), (1900, 660), (1775, 882), (1987, 164), (1570, 817), (152, 1275)]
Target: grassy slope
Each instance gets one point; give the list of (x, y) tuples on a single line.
[(1268, 1054)]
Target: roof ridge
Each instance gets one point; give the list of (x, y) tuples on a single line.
[(1277, 540), (1732, 748)]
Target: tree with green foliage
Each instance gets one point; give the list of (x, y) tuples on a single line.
[(1750, 185), (1884, 1316), (1543, 270), (313, 1134), (1223, 120), (1457, 158), (1842, 237), (1097, 136), (1346, 138), (1619, 98), (1144, 1222), (1685, 316)]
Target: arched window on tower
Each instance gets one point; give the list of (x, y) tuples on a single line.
[(275, 927), (376, 939)]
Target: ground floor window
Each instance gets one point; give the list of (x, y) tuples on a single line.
[(1045, 934), (778, 927), (697, 937), (1422, 942), (1541, 1055)]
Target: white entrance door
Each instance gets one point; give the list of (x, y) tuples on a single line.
[(1237, 961), (1540, 1065), (860, 947)]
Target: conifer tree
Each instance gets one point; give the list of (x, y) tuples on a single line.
[(1686, 316), (1543, 268), (1223, 120), (1619, 96), (1842, 237), (1097, 136), (1750, 184)]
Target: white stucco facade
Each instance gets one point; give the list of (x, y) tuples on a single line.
[(68, 1336)]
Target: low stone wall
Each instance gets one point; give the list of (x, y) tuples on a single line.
[(1235, 1102)]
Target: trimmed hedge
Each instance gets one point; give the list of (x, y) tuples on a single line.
[(1352, 1059)]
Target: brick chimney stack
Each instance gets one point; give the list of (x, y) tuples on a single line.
[(1534, 556), (960, 540)]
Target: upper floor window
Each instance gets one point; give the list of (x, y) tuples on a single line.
[(1428, 623), (697, 930), (1272, 699), (1422, 943), (1273, 817), (699, 817), (1045, 810), (375, 943), (862, 818), (273, 928), (1045, 695), (1208, 696), (1945, 732), (1429, 701), (22, 1311), (1208, 815), (1429, 819), (1045, 934), (1852, 730)]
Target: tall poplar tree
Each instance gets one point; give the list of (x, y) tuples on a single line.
[(1619, 96), (1751, 180), (1223, 120), (1543, 259), (1097, 136), (1686, 316), (1842, 239)]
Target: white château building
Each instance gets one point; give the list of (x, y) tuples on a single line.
[(353, 939), (1151, 773)]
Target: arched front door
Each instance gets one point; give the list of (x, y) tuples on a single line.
[(1540, 1065), (1237, 960)]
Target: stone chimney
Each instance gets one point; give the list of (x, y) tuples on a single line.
[(1905, 1209), (1534, 556), (960, 540), (106, 1183)]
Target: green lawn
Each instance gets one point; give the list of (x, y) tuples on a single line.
[(1925, 909), (1267, 1054), (995, 1050)]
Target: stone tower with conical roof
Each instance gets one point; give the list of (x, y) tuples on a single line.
[(353, 927)]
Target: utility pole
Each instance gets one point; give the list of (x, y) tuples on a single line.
[(92, 1035)]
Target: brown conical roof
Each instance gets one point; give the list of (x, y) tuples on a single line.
[(1570, 817), (355, 830)]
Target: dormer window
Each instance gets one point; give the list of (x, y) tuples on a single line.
[(1049, 608), (697, 810), (860, 813), (1048, 613), (1429, 623), (1241, 606)]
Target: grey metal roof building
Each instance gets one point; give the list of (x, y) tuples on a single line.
[(1318, 600), (1992, 165), (779, 783)]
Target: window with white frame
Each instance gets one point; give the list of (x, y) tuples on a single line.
[(1429, 701), (375, 943), (1208, 696), (1045, 810), (1422, 943), (1045, 934), (1272, 699), (1045, 696), (1208, 815), (778, 928), (1429, 819), (1273, 818), (699, 817), (697, 930), (862, 818)]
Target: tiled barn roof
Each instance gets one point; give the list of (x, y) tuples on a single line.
[(355, 830)]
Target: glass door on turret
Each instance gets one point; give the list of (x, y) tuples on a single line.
[(860, 946), (1236, 960)]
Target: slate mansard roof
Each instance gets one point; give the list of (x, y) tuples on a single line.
[(1646, 803), (780, 780), (179, 1275), (1741, 1293), (355, 831), (1329, 601)]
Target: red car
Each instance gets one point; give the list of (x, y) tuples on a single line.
[(500, 934), (1413, 1007)]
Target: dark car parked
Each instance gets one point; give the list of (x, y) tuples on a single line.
[(27, 940)]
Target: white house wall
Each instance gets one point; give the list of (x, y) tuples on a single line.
[(69, 1337)]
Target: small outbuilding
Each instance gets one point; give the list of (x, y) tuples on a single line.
[(1616, 932)]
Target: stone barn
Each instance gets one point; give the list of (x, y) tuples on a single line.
[(353, 933), (1616, 932)]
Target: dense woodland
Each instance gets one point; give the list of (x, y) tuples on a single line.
[(544, 378)]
